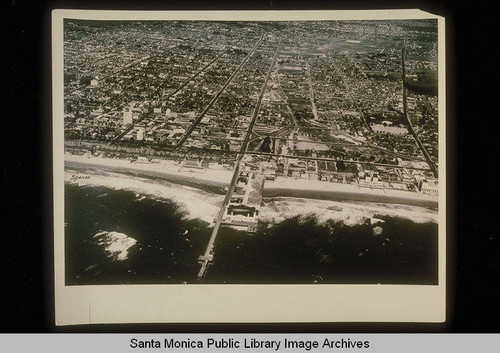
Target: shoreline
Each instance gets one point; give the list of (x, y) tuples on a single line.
[(169, 171), (313, 189), (218, 180)]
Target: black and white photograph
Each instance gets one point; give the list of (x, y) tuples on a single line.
[(248, 153), (249, 175)]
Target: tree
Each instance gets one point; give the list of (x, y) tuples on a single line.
[(341, 166), (85, 80), (266, 145)]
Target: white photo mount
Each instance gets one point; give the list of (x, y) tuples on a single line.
[(201, 303)]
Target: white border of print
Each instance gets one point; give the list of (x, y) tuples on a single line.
[(240, 303)]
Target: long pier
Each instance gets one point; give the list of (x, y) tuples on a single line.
[(206, 259)]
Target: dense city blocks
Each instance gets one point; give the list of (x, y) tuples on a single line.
[(331, 108), (304, 109)]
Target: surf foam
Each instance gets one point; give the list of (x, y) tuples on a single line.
[(193, 203), (116, 244), (350, 213)]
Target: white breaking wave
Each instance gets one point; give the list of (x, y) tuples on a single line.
[(198, 204), (116, 244), (350, 213), (193, 203)]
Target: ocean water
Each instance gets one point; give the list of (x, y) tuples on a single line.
[(129, 229), (304, 250), (116, 236)]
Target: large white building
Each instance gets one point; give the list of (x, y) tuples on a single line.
[(127, 116), (429, 187), (140, 134)]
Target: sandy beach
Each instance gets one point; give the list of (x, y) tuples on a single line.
[(281, 187), (169, 170), (315, 189)]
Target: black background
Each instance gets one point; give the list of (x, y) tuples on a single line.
[(25, 142)]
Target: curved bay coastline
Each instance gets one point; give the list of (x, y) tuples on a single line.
[(305, 235), (218, 180)]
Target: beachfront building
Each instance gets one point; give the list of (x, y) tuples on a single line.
[(370, 179), (242, 213), (192, 165), (244, 204), (428, 186)]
